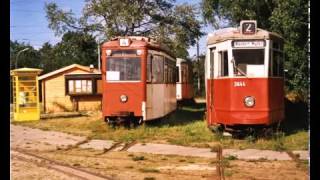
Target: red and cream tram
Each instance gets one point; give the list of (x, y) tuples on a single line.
[(139, 80), (185, 82), (244, 78)]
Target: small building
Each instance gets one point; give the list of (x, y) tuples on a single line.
[(71, 88)]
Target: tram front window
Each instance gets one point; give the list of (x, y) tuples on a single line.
[(123, 69), (248, 62)]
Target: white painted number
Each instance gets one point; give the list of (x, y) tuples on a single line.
[(248, 28), (239, 84)]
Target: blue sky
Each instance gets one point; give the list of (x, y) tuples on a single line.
[(28, 22)]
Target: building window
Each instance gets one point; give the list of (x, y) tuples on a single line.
[(80, 86)]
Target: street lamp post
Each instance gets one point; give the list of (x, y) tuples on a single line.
[(25, 49)]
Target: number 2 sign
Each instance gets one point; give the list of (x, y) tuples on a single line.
[(248, 27)]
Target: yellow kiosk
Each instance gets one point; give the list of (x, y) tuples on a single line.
[(26, 106)]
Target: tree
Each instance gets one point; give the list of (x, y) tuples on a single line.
[(47, 58), (75, 47), (176, 26), (29, 58), (288, 18)]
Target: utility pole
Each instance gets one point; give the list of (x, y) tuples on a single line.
[(198, 66)]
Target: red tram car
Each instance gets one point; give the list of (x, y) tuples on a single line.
[(139, 80), (185, 81), (244, 78)]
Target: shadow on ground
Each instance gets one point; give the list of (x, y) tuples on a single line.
[(185, 114), (296, 117)]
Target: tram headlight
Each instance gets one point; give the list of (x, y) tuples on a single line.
[(123, 98), (249, 101)]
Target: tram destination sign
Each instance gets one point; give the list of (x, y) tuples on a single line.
[(248, 43)]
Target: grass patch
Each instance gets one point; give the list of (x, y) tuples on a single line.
[(149, 170), (184, 127), (138, 158), (149, 178), (303, 164), (231, 157), (228, 173)]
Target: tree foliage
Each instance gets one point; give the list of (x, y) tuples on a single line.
[(175, 25), (75, 47), (288, 18), (29, 58)]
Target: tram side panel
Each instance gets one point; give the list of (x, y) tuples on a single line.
[(161, 100), (276, 103)]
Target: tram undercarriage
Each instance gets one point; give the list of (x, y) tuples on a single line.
[(125, 120), (241, 131)]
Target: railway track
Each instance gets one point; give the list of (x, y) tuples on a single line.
[(57, 166), (79, 173)]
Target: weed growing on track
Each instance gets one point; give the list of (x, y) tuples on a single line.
[(149, 170)]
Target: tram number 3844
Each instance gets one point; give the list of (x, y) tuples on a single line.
[(239, 84)]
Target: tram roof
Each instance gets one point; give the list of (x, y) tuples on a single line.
[(234, 33), (139, 41)]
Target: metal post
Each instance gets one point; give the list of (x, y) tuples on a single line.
[(25, 49), (99, 66), (198, 66)]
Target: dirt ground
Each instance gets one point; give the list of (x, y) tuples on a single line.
[(139, 166), (125, 165)]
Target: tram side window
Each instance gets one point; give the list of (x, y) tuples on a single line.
[(157, 69), (149, 68), (223, 65), (211, 63), (277, 64), (190, 73), (178, 79), (170, 71)]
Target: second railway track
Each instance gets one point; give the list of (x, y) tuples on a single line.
[(58, 166)]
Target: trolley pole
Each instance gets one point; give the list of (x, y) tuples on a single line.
[(198, 66)]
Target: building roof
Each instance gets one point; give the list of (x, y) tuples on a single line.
[(24, 70), (84, 68)]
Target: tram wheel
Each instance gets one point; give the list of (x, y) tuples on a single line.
[(137, 122), (217, 129)]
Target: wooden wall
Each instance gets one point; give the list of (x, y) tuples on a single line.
[(54, 98)]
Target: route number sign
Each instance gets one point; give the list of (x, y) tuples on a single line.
[(248, 27)]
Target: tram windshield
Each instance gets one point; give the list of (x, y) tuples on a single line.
[(123, 69), (248, 62)]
